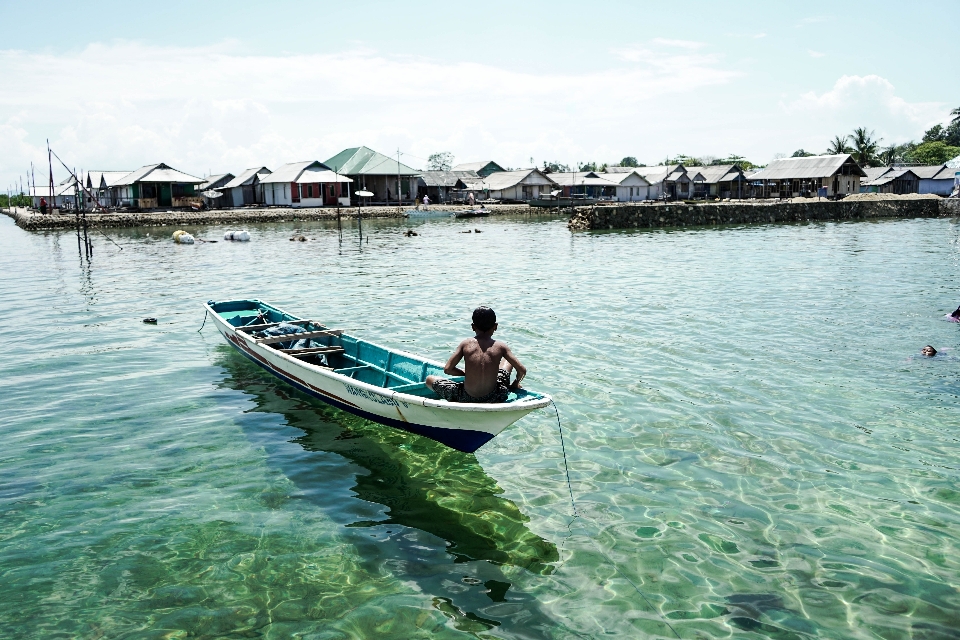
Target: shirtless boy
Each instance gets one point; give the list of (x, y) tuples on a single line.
[(487, 364)]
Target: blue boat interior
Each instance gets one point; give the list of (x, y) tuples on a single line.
[(344, 354)]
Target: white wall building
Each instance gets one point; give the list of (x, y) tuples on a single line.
[(305, 184), (522, 185), (631, 186)]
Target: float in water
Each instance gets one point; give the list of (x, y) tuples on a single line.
[(379, 384)]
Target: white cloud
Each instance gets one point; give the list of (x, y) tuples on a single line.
[(815, 54), (121, 105), (869, 101), (681, 44)]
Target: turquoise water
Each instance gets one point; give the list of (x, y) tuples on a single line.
[(753, 439)]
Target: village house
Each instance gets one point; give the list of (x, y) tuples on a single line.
[(839, 174), (937, 179), (483, 168), (64, 195), (891, 180), (157, 185), (519, 186), (305, 184), (585, 184), (448, 186), (631, 186), (215, 183), (246, 189), (668, 182), (102, 184), (377, 173), (718, 181)]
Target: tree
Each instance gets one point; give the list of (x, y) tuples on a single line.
[(937, 152), (440, 161), (956, 116), (554, 167), (800, 153), (865, 147), (936, 133), (589, 166), (839, 145), (629, 161)]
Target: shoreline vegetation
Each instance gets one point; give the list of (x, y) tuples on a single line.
[(611, 216)]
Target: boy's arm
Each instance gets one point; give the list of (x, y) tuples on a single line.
[(517, 365), (451, 368)]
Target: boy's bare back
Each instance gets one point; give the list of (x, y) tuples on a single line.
[(484, 358)]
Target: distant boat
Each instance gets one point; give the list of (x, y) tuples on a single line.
[(374, 382), (428, 213)]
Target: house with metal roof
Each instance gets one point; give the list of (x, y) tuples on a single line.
[(519, 186), (64, 195), (305, 184), (668, 182), (937, 179), (482, 168), (631, 186), (384, 176), (100, 184), (158, 185), (718, 181), (448, 186), (215, 183), (893, 180), (585, 184), (246, 188), (839, 174)]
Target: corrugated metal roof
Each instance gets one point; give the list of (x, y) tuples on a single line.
[(312, 175), (714, 173), (157, 173), (581, 178), (621, 169), (506, 179), (889, 176), (216, 182), (246, 177), (947, 173), (873, 173), (365, 161), (658, 173), (63, 189), (620, 176), (928, 172), (291, 171), (801, 168), (448, 178)]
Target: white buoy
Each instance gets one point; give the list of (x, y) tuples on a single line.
[(242, 236), (228, 235)]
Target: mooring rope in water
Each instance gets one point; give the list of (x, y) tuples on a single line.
[(577, 515), (205, 312)]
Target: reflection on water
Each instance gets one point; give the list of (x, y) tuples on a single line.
[(421, 485)]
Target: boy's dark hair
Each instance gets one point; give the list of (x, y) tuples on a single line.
[(484, 318)]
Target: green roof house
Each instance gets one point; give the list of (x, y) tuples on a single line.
[(375, 172)]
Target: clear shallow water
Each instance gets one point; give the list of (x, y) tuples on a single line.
[(752, 438)]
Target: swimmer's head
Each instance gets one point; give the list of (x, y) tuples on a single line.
[(928, 351)]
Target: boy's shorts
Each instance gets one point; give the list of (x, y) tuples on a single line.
[(454, 392)]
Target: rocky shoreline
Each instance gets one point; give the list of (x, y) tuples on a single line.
[(34, 221)]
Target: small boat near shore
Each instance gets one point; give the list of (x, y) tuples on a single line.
[(377, 383)]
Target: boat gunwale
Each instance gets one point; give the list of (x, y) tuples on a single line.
[(526, 405)]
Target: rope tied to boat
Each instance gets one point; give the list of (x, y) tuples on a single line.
[(578, 516)]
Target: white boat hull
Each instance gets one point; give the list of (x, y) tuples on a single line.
[(463, 426)]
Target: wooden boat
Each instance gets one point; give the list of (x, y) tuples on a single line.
[(377, 383)]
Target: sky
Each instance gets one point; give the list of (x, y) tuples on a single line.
[(215, 87)]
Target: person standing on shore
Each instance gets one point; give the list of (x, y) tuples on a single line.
[(426, 201), (471, 200), (43, 206)]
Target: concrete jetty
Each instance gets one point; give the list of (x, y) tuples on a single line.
[(32, 220), (667, 215)]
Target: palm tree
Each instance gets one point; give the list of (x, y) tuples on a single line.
[(865, 147), (839, 146), (956, 116)]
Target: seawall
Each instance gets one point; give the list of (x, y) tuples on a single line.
[(652, 216), (34, 221)]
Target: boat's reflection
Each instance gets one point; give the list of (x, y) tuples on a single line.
[(422, 484)]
